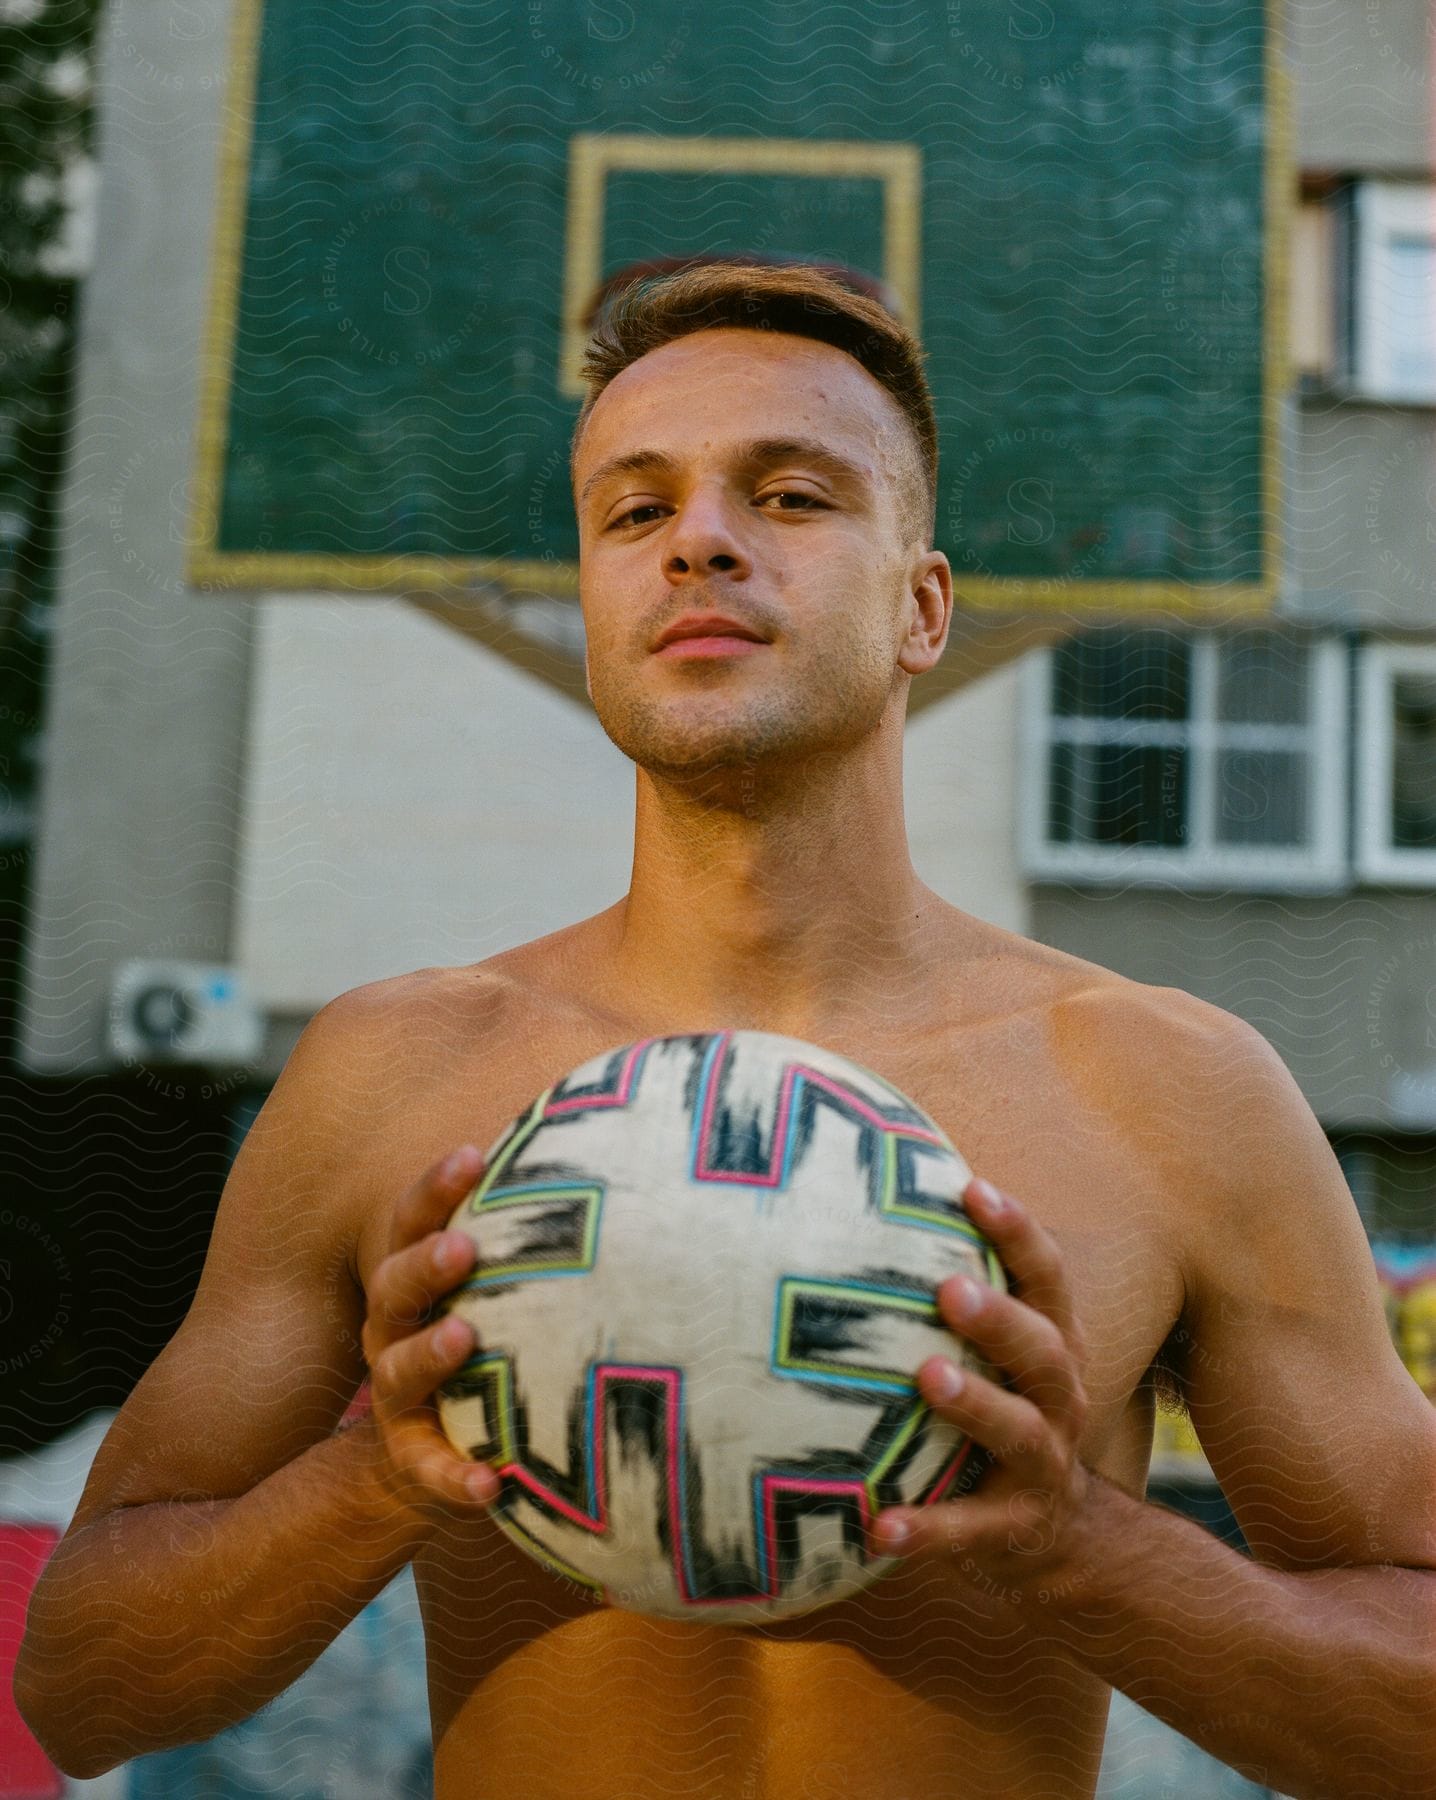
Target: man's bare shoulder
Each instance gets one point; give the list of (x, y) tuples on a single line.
[(1138, 1020), (368, 1019), (369, 1091), (360, 1059), (443, 1006), (1097, 1012), (1202, 1095), (405, 1027), (1165, 1055), (1158, 1060), (1168, 1041)]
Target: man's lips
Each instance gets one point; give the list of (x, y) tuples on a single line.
[(716, 634), (717, 645)]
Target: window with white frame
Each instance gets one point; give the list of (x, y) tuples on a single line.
[(1190, 759), (1390, 291), (1396, 765)]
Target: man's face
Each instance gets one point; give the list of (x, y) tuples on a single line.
[(762, 476)]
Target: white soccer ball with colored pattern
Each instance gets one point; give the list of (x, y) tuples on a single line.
[(705, 1281)]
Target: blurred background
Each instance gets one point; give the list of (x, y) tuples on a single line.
[(291, 689)]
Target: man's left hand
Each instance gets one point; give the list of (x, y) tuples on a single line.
[(1022, 1523)]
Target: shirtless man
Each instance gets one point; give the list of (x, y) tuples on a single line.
[(1165, 1201)]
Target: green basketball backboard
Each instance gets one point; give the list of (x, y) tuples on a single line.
[(1079, 207)]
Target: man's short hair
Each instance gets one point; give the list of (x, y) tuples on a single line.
[(803, 299)]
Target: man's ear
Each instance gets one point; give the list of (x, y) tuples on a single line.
[(931, 615)]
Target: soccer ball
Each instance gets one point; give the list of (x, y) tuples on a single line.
[(705, 1282)]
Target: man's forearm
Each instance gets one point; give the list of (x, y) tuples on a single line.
[(1320, 1684), (160, 1624)]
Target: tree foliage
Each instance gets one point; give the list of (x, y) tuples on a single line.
[(46, 129)]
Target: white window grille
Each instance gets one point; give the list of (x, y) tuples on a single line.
[(1187, 759)]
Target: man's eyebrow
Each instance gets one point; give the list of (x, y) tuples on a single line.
[(755, 453), (801, 449), (632, 462)]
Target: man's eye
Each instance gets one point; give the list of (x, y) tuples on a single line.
[(805, 500), (629, 517)]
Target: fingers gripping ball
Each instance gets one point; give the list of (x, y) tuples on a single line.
[(705, 1279)]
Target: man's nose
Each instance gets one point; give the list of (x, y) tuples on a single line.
[(703, 541)]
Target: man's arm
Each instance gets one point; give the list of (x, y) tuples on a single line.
[(1312, 1668), (226, 1533), (162, 1623), (1318, 1683)]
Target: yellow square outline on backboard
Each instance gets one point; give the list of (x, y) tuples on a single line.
[(594, 156), (210, 569)]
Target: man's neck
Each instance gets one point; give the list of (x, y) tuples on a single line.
[(779, 910)]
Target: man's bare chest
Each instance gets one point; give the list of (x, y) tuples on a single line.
[(1001, 1095), (996, 1089)]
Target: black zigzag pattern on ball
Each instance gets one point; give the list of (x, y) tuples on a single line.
[(740, 1141)]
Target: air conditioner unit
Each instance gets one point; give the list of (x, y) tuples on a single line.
[(182, 1013)]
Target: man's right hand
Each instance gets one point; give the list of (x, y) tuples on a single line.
[(409, 1357)]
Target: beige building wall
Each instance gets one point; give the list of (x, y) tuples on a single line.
[(960, 782), (410, 799), (1362, 73)]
